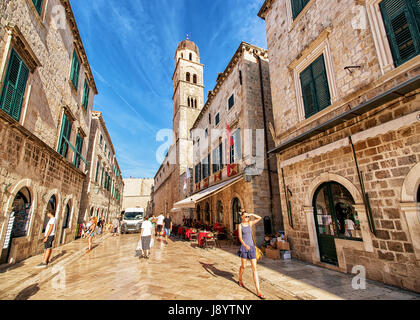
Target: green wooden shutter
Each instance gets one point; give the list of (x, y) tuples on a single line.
[(14, 86), (402, 25), (319, 74), (85, 100), (97, 171), (38, 5), (297, 6), (64, 136), (308, 92), (75, 69), (78, 154)]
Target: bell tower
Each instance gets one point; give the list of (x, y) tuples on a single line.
[(188, 100)]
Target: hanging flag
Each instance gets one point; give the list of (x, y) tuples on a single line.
[(229, 145)]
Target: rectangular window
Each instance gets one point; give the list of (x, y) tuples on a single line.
[(402, 24), (315, 89), (218, 159), (297, 6), (75, 70), (198, 173), (85, 100), (237, 152), (78, 153), (64, 143), (102, 177), (38, 5), (206, 133), (231, 101), (101, 140), (217, 119), (97, 171), (14, 86)]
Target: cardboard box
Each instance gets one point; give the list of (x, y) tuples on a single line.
[(272, 254), (283, 245), (286, 255)]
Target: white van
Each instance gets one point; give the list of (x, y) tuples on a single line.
[(132, 220)]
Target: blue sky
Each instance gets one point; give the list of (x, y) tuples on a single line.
[(131, 46)]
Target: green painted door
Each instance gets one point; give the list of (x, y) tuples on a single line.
[(325, 222)]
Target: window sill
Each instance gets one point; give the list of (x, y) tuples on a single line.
[(73, 89)]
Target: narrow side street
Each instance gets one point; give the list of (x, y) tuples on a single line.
[(112, 272)]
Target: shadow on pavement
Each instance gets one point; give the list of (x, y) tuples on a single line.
[(58, 256), (28, 292)]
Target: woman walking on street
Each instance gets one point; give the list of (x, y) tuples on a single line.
[(91, 226), (247, 250), (146, 233)]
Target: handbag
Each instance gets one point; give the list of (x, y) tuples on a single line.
[(258, 251)]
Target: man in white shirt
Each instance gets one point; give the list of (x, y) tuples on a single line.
[(48, 239), (146, 237), (159, 224)]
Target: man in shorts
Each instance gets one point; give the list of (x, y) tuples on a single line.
[(115, 227), (159, 223), (168, 227), (48, 239)]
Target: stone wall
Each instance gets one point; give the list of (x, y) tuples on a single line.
[(26, 161)]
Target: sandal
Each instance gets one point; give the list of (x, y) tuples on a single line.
[(261, 296)]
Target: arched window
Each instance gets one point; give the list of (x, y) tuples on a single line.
[(195, 103), (219, 210), (190, 56), (198, 213), (418, 194), (21, 209), (236, 209), (207, 212), (18, 222), (189, 101), (335, 217), (195, 78), (66, 218), (182, 55), (188, 77), (52, 206)]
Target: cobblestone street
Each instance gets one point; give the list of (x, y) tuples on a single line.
[(112, 272)]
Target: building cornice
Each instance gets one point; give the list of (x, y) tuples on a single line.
[(79, 44), (265, 8), (221, 78)]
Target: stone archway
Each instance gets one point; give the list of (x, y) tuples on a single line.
[(366, 245), (410, 206)]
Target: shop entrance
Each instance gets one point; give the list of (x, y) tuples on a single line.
[(18, 222), (236, 210), (65, 223), (335, 217)]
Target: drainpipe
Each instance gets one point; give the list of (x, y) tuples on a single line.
[(364, 194), (265, 138)]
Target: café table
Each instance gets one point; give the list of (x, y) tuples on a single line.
[(201, 236), (188, 234)]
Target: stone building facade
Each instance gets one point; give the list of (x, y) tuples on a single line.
[(188, 100), (241, 100), (345, 79), (137, 193), (103, 187), (47, 93)]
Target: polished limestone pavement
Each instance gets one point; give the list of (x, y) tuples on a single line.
[(177, 271)]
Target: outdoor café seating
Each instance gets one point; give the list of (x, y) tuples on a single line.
[(210, 238)]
